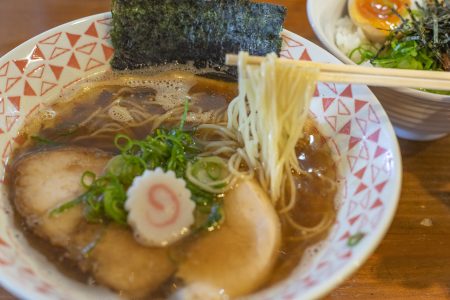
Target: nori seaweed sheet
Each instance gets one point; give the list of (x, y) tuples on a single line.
[(149, 32)]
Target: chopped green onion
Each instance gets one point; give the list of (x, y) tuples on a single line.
[(366, 52), (114, 197), (209, 173), (355, 239), (87, 179), (66, 206), (173, 150), (210, 168), (123, 142), (43, 141), (184, 117)]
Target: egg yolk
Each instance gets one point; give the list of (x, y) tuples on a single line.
[(379, 13)]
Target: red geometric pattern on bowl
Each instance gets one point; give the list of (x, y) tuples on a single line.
[(350, 118)]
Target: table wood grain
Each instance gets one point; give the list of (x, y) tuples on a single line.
[(413, 261)]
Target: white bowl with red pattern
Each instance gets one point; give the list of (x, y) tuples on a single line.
[(353, 122)]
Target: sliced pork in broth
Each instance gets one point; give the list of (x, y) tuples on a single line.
[(46, 179), (114, 258), (239, 256)]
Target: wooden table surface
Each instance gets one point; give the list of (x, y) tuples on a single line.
[(413, 261)]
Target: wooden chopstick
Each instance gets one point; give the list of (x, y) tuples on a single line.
[(383, 77)]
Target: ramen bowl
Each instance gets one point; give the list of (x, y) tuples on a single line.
[(415, 114), (349, 117)]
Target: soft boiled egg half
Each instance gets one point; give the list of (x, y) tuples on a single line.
[(377, 17)]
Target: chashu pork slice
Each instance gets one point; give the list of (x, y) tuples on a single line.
[(118, 261), (239, 256), (44, 180)]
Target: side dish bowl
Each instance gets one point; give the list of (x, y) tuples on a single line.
[(350, 118), (416, 115)]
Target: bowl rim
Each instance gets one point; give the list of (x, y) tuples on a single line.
[(367, 247), (332, 47), (322, 289)]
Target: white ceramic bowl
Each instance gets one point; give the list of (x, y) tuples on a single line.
[(416, 115), (349, 116)]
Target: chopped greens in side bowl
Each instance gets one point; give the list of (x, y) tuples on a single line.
[(420, 42)]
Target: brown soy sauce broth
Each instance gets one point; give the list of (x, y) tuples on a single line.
[(315, 200), (63, 124)]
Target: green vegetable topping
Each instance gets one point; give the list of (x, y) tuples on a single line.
[(172, 150), (55, 136), (420, 42), (210, 173), (355, 239), (408, 54), (365, 53), (40, 140)]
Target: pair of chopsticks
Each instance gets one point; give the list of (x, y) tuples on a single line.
[(383, 77)]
